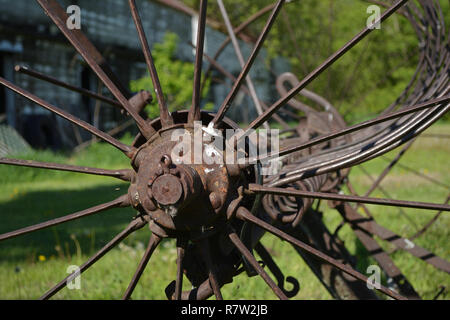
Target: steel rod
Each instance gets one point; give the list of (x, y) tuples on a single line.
[(322, 67), (85, 92), (123, 174), (95, 61), (133, 226), (119, 202), (100, 134), (244, 214), (340, 197), (152, 244), (251, 259), (356, 127), (166, 118), (194, 112), (237, 50), (232, 94)]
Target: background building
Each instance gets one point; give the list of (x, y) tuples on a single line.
[(29, 38)]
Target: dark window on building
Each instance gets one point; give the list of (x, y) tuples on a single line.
[(86, 83), (2, 88)]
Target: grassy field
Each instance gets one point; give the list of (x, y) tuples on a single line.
[(31, 264)]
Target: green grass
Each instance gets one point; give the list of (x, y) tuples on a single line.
[(33, 263)]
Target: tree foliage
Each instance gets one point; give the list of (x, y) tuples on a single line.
[(176, 77)]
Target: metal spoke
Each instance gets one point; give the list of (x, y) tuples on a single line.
[(95, 61), (236, 31), (194, 112), (152, 244), (212, 271), (240, 57), (119, 202), (100, 134), (340, 197), (251, 259), (316, 72), (123, 174), (133, 226), (230, 97), (245, 215), (166, 118), (44, 77), (356, 127), (181, 249)]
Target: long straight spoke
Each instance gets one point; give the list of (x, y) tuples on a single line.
[(44, 77), (95, 61), (100, 134), (181, 248), (119, 202), (347, 198), (240, 57), (356, 127), (133, 226), (252, 260), (152, 244), (166, 119), (194, 112), (124, 174), (321, 68), (244, 214), (212, 272), (232, 94)]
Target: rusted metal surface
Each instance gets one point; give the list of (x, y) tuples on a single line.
[(219, 212)]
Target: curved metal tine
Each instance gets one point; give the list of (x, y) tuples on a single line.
[(232, 94), (194, 112), (245, 215), (429, 223), (44, 77), (166, 118), (237, 31), (347, 198), (95, 60), (251, 259), (322, 67), (385, 194), (240, 57), (401, 165), (181, 249), (397, 114), (389, 167), (276, 271), (133, 226), (100, 134), (212, 271), (122, 201), (124, 174), (154, 241)]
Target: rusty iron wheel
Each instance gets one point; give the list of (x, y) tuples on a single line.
[(218, 213)]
